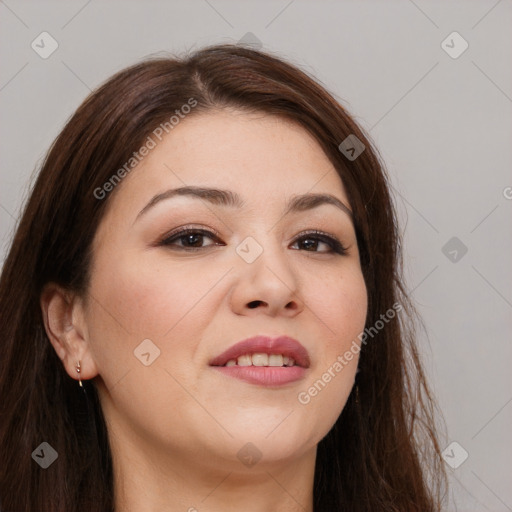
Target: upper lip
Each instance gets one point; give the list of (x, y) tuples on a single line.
[(264, 344)]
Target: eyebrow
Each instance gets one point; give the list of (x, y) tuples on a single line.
[(227, 198)]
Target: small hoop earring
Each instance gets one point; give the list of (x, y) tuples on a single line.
[(78, 370)]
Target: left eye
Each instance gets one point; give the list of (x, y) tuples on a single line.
[(311, 243)]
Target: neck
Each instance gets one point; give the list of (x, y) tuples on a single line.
[(150, 482)]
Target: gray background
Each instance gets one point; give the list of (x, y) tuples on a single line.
[(443, 126)]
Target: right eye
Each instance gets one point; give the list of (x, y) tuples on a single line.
[(190, 239)]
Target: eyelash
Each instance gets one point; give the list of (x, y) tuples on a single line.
[(336, 246)]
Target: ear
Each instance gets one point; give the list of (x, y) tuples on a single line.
[(64, 322)]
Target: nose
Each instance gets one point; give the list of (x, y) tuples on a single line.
[(269, 285)]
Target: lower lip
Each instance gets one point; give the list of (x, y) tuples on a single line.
[(269, 376)]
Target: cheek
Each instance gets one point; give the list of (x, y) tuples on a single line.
[(148, 298), (167, 304), (138, 300), (340, 306)]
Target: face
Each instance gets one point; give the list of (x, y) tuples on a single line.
[(165, 302)]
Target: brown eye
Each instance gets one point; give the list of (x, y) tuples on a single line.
[(311, 241), (190, 239)]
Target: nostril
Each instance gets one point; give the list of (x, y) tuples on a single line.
[(254, 304)]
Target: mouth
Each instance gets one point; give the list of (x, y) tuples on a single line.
[(264, 361)]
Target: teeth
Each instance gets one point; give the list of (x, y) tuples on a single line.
[(244, 361), (275, 360), (262, 359)]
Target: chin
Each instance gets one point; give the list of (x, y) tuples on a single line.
[(275, 444)]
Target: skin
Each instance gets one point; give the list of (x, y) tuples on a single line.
[(176, 425)]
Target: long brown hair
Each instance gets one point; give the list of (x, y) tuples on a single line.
[(381, 455)]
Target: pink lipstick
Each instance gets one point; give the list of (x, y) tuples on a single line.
[(264, 361)]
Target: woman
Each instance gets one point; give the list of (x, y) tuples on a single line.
[(208, 258)]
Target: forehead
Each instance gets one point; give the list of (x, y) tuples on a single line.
[(261, 157)]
